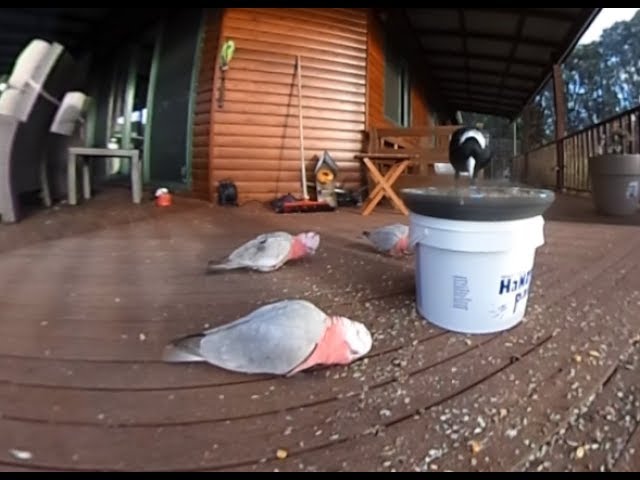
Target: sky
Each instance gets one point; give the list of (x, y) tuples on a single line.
[(606, 18)]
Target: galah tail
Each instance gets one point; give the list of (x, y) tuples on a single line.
[(269, 252), (391, 239), (281, 338)]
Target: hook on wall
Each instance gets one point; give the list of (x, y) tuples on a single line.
[(226, 54)]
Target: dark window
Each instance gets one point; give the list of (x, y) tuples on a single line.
[(397, 87)]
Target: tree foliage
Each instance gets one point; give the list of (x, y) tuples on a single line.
[(602, 79)]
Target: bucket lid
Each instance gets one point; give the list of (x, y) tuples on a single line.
[(478, 203)]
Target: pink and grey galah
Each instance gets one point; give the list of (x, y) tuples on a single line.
[(281, 338), (268, 252), (391, 239)]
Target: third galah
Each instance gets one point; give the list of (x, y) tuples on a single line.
[(391, 239), (280, 338), (269, 252)]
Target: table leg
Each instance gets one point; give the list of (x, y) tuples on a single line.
[(136, 178), (384, 186), (72, 196), (44, 183), (86, 179)]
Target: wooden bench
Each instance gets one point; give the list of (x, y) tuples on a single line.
[(395, 155)]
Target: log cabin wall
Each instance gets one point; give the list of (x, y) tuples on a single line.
[(253, 138), (255, 134)]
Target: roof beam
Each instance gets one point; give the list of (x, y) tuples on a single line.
[(474, 106), (499, 112), (487, 99), (487, 36), (477, 56), (25, 37), (461, 83), (85, 15), (483, 71), (517, 95), (9, 50), (14, 20), (531, 12)]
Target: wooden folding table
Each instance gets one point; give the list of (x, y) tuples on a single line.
[(397, 164)]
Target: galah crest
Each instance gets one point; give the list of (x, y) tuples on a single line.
[(280, 338), (391, 239), (268, 252)]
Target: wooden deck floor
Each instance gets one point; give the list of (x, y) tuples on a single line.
[(89, 296)]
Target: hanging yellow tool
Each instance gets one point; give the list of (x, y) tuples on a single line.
[(226, 54)]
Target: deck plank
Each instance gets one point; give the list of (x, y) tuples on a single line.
[(90, 294)]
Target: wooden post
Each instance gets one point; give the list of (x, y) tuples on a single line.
[(560, 107), (526, 144)]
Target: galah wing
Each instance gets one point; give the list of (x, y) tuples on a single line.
[(273, 339), (386, 239), (265, 253)]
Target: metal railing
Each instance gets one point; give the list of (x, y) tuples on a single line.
[(564, 164)]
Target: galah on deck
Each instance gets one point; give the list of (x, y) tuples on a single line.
[(268, 252), (391, 239), (281, 338)]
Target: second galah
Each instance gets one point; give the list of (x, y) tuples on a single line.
[(268, 252), (280, 338), (391, 239)]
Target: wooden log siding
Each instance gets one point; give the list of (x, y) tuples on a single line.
[(254, 136), (200, 165), (253, 139), (375, 76)]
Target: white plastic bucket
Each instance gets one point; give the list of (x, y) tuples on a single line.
[(474, 277)]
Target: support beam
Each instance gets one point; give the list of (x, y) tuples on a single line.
[(560, 110)]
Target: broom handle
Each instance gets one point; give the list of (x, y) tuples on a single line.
[(303, 169)]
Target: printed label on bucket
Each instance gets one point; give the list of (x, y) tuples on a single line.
[(632, 190), (461, 292), (518, 284)]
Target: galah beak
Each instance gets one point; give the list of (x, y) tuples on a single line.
[(311, 241)]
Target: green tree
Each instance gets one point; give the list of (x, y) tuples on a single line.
[(602, 78)]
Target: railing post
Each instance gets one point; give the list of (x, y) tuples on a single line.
[(560, 105)]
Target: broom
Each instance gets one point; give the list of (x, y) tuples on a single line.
[(305, 205)]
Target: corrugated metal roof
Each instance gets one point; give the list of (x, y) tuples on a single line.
[(490, 60), (79, 29)]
